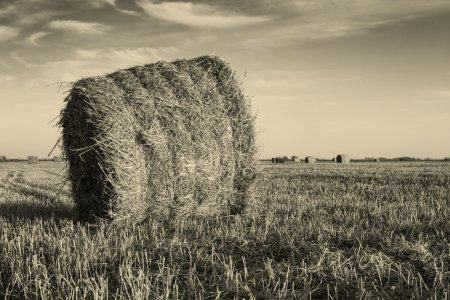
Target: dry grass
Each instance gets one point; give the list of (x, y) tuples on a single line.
[(165, 140), (319, 231)]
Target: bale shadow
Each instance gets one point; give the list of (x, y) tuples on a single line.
[(34, 210), (35, 205)]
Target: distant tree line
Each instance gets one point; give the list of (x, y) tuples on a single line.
[(367, 159)]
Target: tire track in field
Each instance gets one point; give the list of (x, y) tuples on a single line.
[(58, 187), (39, 193)]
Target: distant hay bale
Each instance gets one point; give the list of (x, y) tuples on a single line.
[(279, 160), (343, 159), (310, 160), (295, 158), (164, 140), (32, 160), (57, 159)]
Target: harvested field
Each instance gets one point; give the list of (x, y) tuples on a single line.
[(362, 230)]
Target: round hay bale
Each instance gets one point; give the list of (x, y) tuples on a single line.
[(343, 159), (32, 160), (280, 160), (164, 140), (310, 160)]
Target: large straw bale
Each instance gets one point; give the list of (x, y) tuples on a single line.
[(279, 160), (162, 140), (343, 159), (310, 159), (32, 160)]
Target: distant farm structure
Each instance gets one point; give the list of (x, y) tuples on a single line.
[(295, 158)]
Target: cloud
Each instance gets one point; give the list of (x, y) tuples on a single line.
[(103, 3), (92, 62), (312, 20), (197, 15), (4, 66), (8, 32), (125, 57), (270, 79), (87, 54), (7, 9), (15, 56), (268, 83), (33, 17), (436, 93), (26, 13), (5, 79), (33, 39), (79, 27)]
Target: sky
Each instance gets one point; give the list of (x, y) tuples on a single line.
[(369, 78)]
